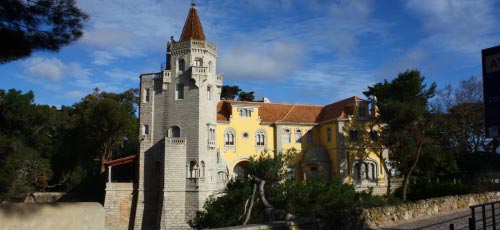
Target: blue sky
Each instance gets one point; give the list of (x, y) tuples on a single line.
[(291, 51)]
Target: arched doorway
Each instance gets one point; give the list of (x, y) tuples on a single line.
[(241, 169)]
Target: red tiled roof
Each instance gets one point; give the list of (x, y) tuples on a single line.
[(336, 109), (192, 28), (290, 113), (121, 161)]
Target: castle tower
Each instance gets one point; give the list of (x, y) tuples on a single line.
[(178, 122)]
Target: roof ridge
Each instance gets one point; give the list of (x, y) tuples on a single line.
[(273, 103), (287, 113)]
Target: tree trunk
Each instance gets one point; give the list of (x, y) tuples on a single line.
[(249, 213), (389, 176), (387, 171), (104, 153), (406, 177)]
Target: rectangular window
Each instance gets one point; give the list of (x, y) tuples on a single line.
[(146, 130), (208, 92), (329, 134), (179, 91), (298, 136), (146, 95), (245, 112), (287, 137)]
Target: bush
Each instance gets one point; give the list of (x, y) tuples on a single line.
[(225, 209), (431, 190)]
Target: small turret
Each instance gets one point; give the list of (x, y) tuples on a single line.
[(169, 43)]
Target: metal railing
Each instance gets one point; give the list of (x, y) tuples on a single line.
[(485, 216)]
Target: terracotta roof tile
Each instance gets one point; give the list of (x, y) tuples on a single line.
[(290, 113), (121, 161), (336, 109), (192, 28), (303, 114)]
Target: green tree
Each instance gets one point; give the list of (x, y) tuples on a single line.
[(464, 112), (106, 123), (27, 26), (26, 143), (229, 92), (246, 96), (402, 105)]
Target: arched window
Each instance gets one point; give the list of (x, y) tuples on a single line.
[(202, 170), (221, 176), (229, 137), (198, 62), (260, 138), (373, 170), (210, 66), (182, 64), (365, 170), (174, 131), (193, 169)]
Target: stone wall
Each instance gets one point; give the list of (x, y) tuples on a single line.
[(50, 216), (300, 224), (118, 205), (375, 217)]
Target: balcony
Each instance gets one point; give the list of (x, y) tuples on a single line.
[(219, 80), (175, 141), (167, 78), (199, 75)]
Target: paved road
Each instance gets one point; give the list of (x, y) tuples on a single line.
[(459, 218)]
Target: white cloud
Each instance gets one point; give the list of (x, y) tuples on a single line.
[(247, 61), (120, 74), (46, 68), (52, 69), (463, 26), (102, 57), (332, 81), (415, 58), (130, 29)]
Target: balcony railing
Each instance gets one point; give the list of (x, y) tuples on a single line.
[(199, 70), (175, 140)]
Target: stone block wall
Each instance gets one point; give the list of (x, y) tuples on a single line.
[(48, 216), (375, 217), (118, 205)]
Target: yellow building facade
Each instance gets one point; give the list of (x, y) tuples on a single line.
[(336, 140)]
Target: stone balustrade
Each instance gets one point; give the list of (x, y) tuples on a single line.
[(175, 140)]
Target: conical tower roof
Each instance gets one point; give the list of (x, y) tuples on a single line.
[(192, 28)]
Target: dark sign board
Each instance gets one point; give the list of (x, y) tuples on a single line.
[(491, 89)]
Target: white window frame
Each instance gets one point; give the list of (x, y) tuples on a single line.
[(287, 136), (260, 139)]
